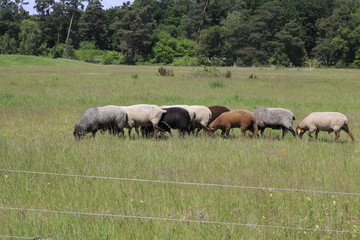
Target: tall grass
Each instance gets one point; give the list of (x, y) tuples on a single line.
[(39, 106)]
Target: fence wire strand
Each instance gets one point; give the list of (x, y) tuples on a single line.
[(182, 183), (180, 220)]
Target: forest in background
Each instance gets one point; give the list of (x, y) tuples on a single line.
[(187, 32)]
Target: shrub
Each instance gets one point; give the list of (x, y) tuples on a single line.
[(165, 72), (92, 56), (217, 84), (207, 72), (57, 51), (85, 45), (112, 57), (228, 74)]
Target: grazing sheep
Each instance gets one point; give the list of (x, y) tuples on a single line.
[(324, 121), (242, 119), (275, 118), (112, 118), (143, 115), (202, 118), (217, 111), (199, 115), (175, 118), (191, 111)]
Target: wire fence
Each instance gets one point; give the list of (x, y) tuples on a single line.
[(173, 219), (183, 183), (178, 220)]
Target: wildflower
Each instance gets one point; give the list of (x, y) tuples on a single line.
[(131, 200), (283, 151), (141, 201), (6, 176), (334, 203), (308, 199), (317, 226), (270, 194)]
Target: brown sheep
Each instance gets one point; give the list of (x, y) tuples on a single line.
[(242, 119), (217, 111)]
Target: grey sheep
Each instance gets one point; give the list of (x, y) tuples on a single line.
[(324, 121), (112, 118), (275, 118)]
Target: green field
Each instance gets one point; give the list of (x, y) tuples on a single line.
[(41, 100)]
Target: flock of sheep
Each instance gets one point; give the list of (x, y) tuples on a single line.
[(153, 119)]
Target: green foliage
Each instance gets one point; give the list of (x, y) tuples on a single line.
[(86, 45), (212, 42), (8, 45), (186, 61), (213, 33), (92, 56), (217, 84), (163, 54), (29, 38), (112, 57), (57, 51), (209, 72)]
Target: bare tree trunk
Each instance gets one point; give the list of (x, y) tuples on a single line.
[(69, 29), (204, 11)]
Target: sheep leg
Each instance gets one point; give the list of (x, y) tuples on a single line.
[(284, 130), (121, 133), (351, 136), (170, 133), (316, 134), (262, 132), (292, 131), (137, 132), (337, 135), (156, 130), (346, 129), (311, 131), (227, 130)]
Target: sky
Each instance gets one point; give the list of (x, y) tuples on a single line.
[(106, 3)]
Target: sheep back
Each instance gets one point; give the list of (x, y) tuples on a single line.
[(274, 118), (324, 121), (216, 111)]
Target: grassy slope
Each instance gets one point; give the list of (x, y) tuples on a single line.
[(40, 104)]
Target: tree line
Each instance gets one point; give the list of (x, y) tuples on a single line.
[(187, 32)]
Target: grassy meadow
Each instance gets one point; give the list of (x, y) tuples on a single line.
[(41, 100)]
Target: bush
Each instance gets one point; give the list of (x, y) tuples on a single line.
[(207, 72), (165, 72), (217, 84), (186, 61), (92, 56), (57, 51), (228, 74), (112, 57), (69, 52), (85, 45)]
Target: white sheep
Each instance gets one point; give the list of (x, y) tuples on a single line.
[(112, 118), (143, 115), (324, 121), (202, 118)]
